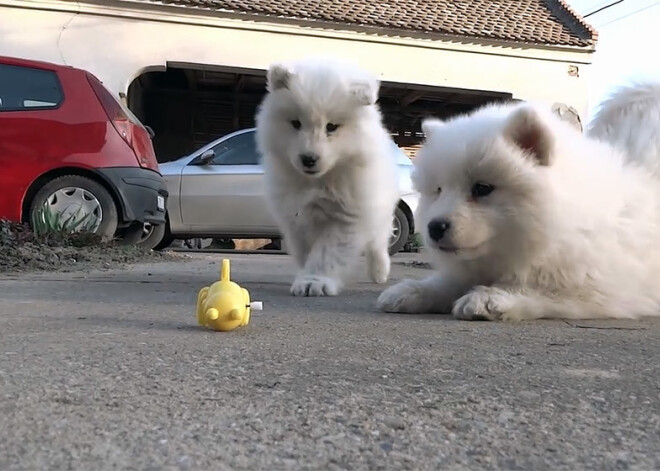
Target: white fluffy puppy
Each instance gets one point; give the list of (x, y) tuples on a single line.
[(329, 172), (630, 120), (526, 218)]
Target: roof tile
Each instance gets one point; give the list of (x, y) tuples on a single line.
[(549, 22)]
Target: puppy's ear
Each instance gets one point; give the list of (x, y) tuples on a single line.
[(430, 125), (527, 131), (278, 77), (365, 92)]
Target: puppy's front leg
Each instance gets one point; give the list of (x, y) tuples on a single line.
[(434, 294), (488, 303), (520, 304), (329, 259), (378, 259), (296, 245)]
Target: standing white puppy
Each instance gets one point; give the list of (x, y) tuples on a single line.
[(329, 172), (527, 218)]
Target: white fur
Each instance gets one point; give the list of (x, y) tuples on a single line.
[(571, 230), (330, 218), (630, 120)]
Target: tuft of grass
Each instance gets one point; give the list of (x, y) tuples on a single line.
[(46, 222), (415, 242)]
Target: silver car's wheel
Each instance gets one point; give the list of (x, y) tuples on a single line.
[(76, 203), (195, 243), (152, 235), (147, 230), (400, 231), (145, 235), (396, 230)]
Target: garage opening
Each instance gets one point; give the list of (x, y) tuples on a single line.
[(190, 105)]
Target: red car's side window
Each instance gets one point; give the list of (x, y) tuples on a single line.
[(25, 89)]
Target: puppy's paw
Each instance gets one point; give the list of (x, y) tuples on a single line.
[(484, 303), (404, 297), (379, 267), (314, 285), (513, 315)]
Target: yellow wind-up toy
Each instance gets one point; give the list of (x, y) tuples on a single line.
[(224, 305)]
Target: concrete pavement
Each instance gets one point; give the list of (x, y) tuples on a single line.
[(108, 370)]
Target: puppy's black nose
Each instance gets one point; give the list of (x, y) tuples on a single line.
[(308, 160), (437, 228)]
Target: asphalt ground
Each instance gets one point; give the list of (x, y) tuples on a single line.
[(108, 370)]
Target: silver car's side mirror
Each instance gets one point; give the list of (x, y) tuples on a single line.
[(207, 157)]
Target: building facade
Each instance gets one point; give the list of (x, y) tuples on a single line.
[(194, 69)]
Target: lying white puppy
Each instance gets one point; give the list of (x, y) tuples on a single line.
[(526, 218)]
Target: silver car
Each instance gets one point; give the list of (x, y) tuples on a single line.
[(218, 192)]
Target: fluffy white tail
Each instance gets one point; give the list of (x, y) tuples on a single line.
[(630, 120)]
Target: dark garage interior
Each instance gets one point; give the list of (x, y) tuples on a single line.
[(189, 105)]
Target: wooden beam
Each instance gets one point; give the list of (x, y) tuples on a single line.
[(238, 87), (412, 97), (239, 82), (193, 100)]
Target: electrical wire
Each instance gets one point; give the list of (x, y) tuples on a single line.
[(603, 8), (629, 14)]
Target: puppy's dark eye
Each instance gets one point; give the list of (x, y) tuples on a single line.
[(296, 124), (438, 191), (479, 190), (331, 127)]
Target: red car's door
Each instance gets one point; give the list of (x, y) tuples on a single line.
[(30, 128)]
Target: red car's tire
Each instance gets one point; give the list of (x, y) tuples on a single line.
[(62, 192)]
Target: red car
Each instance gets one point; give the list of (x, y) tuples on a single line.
[(67, 144)]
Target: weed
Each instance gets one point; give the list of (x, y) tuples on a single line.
[(45, 222), (415, 242)]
